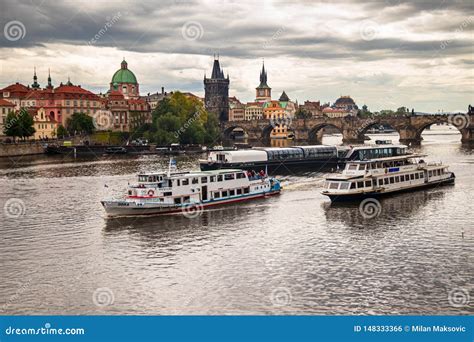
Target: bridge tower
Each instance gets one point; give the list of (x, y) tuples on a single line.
[(216, 90)]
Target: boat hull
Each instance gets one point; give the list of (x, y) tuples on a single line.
[(119, 208), (374, 194)]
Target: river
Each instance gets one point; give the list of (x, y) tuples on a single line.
[(290, 254)]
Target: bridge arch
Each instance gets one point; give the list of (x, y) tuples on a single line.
[(428, 125), (227, 133), (315, 134), (365, 129)]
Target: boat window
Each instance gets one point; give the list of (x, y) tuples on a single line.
[(344, 186), (232, 193), (430, 173), (229, 176), (177, 200), (239, 191), (362, 167), (186, 199), (368, 183), (167, 193), (392, 180), (380, 181), (203, 179), (216, 194), (334, 185), (240, 175), (386, 181), (246, 190), (353, 185), (402, 178), (417, 176), (397, 179), (195, 180), (224, 193), (219, 178), (185, 181), (412, 176), (422, 175), (212, 179), (170, 183), (360, 184), (352, 167)]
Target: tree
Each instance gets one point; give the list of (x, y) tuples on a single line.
[(182, 119), (364, 112), (402, 111), (80, 123), (61, 132), (302, 114), (19, 124)]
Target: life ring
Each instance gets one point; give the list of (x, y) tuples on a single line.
[(151, 192)]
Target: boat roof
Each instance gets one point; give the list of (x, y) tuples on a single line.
[(192, 173), (411, 155), (368, 147)]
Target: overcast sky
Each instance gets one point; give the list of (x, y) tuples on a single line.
[(385, 54)]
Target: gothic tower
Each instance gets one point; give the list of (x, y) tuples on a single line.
[(263, 91), (216, 90)]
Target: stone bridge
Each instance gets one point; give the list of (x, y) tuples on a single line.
[(353, 129)]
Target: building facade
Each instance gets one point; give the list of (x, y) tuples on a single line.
[(5, 108), (313, 108), (44, 124), (216, 90), (254, 111), (236, 109)]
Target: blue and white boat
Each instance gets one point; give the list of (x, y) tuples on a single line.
[(187, 192), (381, 175)]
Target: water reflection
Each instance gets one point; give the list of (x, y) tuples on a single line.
[(397, 208)]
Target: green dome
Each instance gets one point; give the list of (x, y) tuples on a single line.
[(123, 75)]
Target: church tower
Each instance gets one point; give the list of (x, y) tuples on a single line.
[(35, 84), (263, 91), (216, 90)]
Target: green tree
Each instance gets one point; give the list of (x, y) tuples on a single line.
[(302, 114), (80, 123), (61, 132), (19, 124), (182, 119)]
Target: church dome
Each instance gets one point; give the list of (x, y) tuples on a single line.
[(124, 75)]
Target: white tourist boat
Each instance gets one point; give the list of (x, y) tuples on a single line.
[(188, 192), (385, 175)]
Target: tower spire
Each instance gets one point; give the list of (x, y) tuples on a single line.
[(35, 84)]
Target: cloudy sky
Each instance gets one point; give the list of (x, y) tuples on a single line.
[(385, 53)]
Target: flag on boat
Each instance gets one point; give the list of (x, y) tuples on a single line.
[(172, 164)]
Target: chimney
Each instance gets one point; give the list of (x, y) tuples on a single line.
[(162, 90)]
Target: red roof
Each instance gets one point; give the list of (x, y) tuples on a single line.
[(72, 89), (17, 87), (5, 103)]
